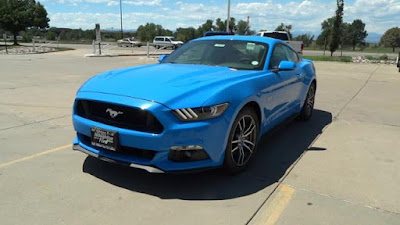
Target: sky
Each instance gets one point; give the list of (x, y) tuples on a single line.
[(304, 15)]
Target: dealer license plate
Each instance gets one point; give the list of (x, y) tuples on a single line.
[(106, 139)]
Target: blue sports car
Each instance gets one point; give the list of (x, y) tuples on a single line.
[(203, 106)]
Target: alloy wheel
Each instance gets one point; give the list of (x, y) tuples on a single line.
[(310, 100), (244, 140)]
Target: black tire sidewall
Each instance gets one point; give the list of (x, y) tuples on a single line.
[(303, 114), (229, 164)]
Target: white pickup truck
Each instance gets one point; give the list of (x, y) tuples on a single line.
[(284, 36)]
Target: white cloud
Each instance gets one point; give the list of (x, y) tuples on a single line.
[(378, 15), (148, 3), (112, 3)]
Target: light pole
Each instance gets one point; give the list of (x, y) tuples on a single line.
[(120, 12), (229, 16)]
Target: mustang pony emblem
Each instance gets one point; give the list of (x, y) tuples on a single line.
[(113, 113)]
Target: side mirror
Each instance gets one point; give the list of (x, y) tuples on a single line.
[(286, 66), (162, 57)]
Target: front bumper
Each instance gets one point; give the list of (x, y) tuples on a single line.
[(210, 134), (147, 168)]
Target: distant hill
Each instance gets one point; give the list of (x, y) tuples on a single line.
[(373, 38)]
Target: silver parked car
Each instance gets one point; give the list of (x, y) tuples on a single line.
[(165, 41), (129, 42)]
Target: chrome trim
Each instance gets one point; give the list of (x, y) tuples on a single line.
[(180, 114), (149, 169), (192, 112), (187, 114)]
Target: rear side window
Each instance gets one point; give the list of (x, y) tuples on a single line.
[(279, 55), (159, 39), (292, 55)]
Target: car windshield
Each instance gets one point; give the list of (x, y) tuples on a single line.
[(172, 39), (243, 55)]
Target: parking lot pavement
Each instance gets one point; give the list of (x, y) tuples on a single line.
[(338, 168)]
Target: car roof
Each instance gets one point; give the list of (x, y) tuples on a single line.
[(267, 40)]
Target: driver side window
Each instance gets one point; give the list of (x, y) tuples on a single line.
[(279, 55)]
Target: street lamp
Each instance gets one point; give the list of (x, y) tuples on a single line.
[(120, 12), (229, 16)]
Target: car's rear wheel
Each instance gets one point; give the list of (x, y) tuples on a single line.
[(308, 106), (242, 141)]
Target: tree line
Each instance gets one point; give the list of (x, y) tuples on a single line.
[(29, 19), (148, 31)]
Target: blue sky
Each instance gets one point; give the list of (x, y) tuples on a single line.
[(305, 15)]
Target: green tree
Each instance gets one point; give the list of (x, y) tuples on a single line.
[(220, 25), (17, 15), (150, 30), (355, 33), (391, 38), (207, 26), (307, 39), (336, 31), (243, 28), (185, 34), (326, 32), (284, 27), (232, 24), (50, 35)]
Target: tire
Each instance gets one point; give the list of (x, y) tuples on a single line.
[(308, 106), (242, 141)]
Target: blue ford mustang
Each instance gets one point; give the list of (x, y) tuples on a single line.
[(205, 105)]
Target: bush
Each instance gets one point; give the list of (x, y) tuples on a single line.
[(383, 57)]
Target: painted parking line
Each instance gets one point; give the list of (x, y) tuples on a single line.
[(269, 214), (35, 155)]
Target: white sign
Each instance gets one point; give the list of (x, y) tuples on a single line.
[(98, 35)]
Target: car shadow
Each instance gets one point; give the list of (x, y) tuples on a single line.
[(276, 152)]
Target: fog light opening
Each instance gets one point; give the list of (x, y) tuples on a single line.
[(187, 153)]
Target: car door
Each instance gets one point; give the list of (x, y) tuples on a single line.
[(285, 81), (297, 75)]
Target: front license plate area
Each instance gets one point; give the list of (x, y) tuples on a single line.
[(106, 139)]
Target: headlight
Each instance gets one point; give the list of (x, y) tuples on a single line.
[(200, 113)]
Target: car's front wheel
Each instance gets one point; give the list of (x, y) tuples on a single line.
[(242, 141)]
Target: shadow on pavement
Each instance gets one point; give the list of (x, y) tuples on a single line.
[(277, 151)]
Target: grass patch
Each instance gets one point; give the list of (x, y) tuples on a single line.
[(329, 58), (382, 57)]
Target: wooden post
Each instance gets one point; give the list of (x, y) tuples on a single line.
[(148, 50)]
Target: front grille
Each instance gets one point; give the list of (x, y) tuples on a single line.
[(122, 150), (125, 117)]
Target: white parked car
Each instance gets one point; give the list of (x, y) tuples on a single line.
[(284, 36), (129, 42), (165, 41)]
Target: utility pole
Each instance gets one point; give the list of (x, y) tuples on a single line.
[(229, 16), (120, 12)]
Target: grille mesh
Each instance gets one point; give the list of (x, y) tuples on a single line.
[(127, 117)]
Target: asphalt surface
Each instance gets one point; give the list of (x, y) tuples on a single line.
[(341, 167)]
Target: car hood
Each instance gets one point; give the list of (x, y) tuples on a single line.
[(173, 85)]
